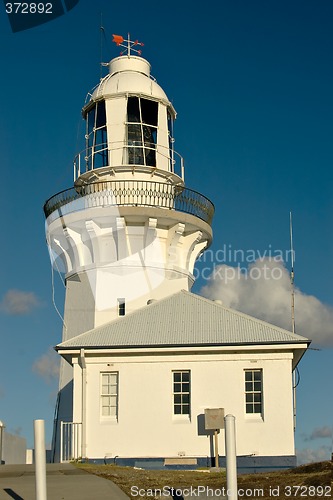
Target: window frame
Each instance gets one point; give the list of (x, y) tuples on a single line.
[(110, 395), (251, 392), (182, 404)]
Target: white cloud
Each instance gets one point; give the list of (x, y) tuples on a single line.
[(47, 366), (321, 432), (18, 302), (308, 455), (264, 291)]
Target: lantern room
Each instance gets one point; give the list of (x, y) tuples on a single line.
[(129, 128)]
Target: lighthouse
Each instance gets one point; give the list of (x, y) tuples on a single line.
[(142, 357), (129, 231)]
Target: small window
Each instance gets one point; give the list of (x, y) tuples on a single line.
[(181, 392), (253, 391), (109, 394), (121, 307)]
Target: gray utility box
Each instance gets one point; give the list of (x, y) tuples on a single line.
[(214, 418)]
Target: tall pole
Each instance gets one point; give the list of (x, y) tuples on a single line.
[(293, 324), (40, 460), (230, 452), (292, 276)]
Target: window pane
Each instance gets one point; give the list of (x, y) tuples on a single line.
[(248, 376), (133, 112), (185, 409), (177, 387), (257, 386), (186, 387), (249, 398), (149, 111), (248, 386), (177, 409), (101, 116), (177, 376), (105, 411), (257, 375), (257, 398), (186, 376), (185, 398), (249, 408), (177, 398)]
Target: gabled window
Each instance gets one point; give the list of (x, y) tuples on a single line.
[(253, 391), (181, 392), (109, 394)]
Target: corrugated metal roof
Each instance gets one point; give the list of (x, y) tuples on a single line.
[(179, 320)]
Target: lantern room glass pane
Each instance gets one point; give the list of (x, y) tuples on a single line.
[(96, 138), (142, 120)]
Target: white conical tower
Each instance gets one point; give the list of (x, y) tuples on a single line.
[(129, 231)]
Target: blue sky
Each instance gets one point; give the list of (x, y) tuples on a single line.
[(252, 85)]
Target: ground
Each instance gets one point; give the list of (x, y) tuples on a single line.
[(307, 481)]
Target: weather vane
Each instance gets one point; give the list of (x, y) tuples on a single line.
[(127, 44)]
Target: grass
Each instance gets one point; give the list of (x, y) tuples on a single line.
[(307, 481)]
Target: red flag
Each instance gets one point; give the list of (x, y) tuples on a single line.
[(118, 39)]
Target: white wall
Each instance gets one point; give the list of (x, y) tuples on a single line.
[(13, 449), (146, 426)]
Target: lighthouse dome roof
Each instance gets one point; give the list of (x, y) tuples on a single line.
[(128, 74)]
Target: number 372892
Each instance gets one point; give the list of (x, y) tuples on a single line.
[(28, 8)]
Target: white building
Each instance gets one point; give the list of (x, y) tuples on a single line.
[(142, 356)]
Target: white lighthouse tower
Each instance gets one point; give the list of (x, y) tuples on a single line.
[(128, 232)]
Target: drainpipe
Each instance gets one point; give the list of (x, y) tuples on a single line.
[(2, 430), (83, 403)]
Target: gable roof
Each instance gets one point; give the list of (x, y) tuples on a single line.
[(182, 319)]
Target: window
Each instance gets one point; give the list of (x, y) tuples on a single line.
[(96, 137), (142, 117), (181, 392), (121, 307), (109, 394), (253, 391)]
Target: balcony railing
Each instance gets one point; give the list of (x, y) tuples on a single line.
[(131, 193), (124, 155)]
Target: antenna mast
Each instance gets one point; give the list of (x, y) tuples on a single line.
[(292, 277)]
